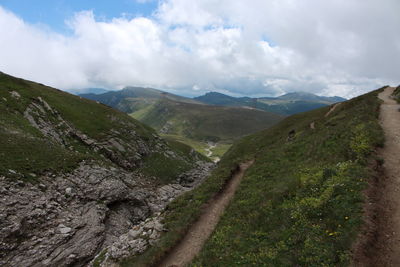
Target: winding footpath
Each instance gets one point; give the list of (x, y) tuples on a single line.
[(201, 230), (390, 121), (384, 246)]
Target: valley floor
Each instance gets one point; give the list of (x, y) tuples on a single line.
[(384, 246)]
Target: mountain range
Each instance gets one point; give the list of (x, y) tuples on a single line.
[(287, 104), (127, 100)]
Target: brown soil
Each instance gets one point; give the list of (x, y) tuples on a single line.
[(199, 232), (380, 246)]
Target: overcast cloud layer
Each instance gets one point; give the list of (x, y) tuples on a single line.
[(258, 47)]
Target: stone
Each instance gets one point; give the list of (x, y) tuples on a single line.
[(64, 229), (42, 186), (68, 190), (135, 233), (15, 94)]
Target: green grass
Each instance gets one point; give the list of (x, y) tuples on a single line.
[(301, 201), (167, 168), (141, 112), (197, 145), (100, 258), (218, 151), (396, 93)]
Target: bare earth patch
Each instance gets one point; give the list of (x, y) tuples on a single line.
[(332, 109)]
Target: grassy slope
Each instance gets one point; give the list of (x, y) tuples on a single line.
[(217, 152), (300, 203), (289, 107), (204, 122), (396, 93), (25, 150)]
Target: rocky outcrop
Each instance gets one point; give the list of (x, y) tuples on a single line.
[(67, 220), (114, 146)]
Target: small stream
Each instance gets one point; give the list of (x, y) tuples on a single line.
[(209, 152)]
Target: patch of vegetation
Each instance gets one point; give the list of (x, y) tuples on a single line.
[(199, 146), (299, 204), (218, 151), (396, 93), (167, 167), (29, 157), (100, 258)]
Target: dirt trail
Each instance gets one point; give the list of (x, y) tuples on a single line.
[(383, 246), (332, 109), (198, 234)]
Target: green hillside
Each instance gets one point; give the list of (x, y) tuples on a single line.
[(300, 204), (132, 99), (204, 122), (188, 120), (43, 129), (287, 104), (209, 129)]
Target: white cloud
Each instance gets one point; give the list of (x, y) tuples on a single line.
[(342, 47)]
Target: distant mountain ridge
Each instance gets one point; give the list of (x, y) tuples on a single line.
[(310, 97), (287, 104), (96, 91), (131, 99)]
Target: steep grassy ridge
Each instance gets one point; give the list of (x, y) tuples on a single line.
[(44, 129), (301, 201)]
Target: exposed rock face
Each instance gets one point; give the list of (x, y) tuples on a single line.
[(67, 220), (50, 123)]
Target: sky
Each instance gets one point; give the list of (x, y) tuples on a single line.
[(237, 47)]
